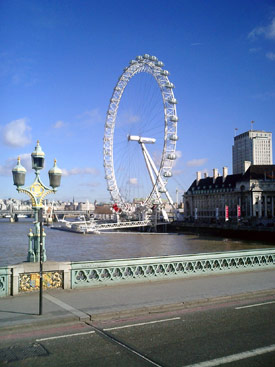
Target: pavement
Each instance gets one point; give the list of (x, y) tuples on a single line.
[(123, 300)]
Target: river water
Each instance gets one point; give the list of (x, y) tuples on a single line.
[(68, 246)]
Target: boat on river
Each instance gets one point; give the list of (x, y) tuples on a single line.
[(79, 226), (92, 227)]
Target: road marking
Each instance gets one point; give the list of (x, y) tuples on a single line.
[(234, 357), (255, 305), (141, 324), (66, 307), (123, 345), (65, 336)]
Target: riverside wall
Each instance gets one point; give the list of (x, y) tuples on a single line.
[(230, 230)]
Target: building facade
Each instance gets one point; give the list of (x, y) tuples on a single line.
[(254, 146), (243, 195)]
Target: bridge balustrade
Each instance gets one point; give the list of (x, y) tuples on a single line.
[(24, 277)]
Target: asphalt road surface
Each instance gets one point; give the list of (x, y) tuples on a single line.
[(238, 333)]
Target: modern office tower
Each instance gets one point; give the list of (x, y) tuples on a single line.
[(253, 147)]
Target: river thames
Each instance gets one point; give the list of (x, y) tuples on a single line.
[(68, 246)]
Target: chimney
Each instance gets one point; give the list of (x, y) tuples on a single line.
[(215, 174), (198, 177), (246, 165), (224, 173), (205, 175)]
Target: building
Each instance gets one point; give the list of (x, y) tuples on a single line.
[(104, 212), (85, 206), (247, 194), (254, 146)]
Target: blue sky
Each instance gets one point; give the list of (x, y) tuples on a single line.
[(60, 60)]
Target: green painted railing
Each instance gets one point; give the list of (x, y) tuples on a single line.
[(91, 273), (4, 281), (95, 273)]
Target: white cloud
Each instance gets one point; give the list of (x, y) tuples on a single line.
[(6, 168), (59, 124), (90, 184), (197, 162), (156, 156), (127, 118), (17, 133), (177, 172), (178, 154), (80, 171), (91, 117), (270, 56), (133, 181), (133, 119), (267, 32), (254, 50), (26, 161)]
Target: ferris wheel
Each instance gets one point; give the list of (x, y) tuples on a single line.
[(140, 134)]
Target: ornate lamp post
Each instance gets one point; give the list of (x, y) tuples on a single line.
[(37, 192)]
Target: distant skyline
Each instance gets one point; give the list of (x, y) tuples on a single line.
[(60, 60)]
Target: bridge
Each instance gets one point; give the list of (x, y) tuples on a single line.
[(14, 214)]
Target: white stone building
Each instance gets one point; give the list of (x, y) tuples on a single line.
[(253, 191)]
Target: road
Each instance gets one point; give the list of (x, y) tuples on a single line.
[(237, 333)]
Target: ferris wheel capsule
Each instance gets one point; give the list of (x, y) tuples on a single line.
[(172, 101), (107, 153), (133, 62), (162, 189), (160, 64), (107, 164), (146, 56), (174, 137), (164, 72), (174, 118), (167, 174), (169, 85), (171, 156), (153, 58)]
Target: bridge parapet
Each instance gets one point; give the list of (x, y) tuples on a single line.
[(25, 277), (88, 274)]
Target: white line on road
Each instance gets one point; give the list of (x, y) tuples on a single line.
[(140, 324), (255, 305), (65, 336), (234, 357)]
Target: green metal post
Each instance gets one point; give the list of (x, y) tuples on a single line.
[(41, 262)]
